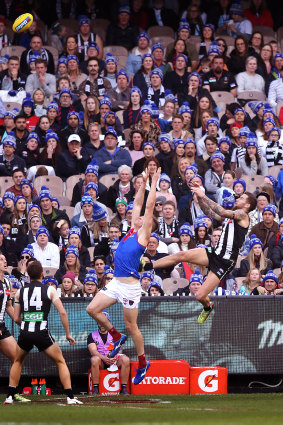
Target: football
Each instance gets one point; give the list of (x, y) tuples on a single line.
[(23, 22)]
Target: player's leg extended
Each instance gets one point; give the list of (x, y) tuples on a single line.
[(8, 347), (195, 256), (55, 354), (209, 285), (95, 307)]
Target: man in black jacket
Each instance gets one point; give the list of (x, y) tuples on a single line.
[(36, 45), (72, 128), (9, 161), (72, 161), (159, 15), (123, 33)]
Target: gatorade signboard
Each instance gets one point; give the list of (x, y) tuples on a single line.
[(109, 382), (208, 380), (163, 377)]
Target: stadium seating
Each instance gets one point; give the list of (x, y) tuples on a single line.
[(171, 285)]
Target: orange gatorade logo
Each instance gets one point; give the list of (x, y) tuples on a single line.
[(111, 382), (208, 381)]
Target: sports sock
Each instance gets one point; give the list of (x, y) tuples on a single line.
[(95, 385), (12, 391), (123, 386), (142, 361), (115, 334), (69, 393), (207, 308)]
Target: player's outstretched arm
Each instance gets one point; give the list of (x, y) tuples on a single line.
[(146, 229), (209, 207), (139, 199), (62, 312)]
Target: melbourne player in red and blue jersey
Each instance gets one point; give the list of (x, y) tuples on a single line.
[(125, 286)]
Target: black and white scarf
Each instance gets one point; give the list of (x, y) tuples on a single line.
[(150, 96), (4, 41), (274, 154), (43, 55), (100, 86), (82, 45), (167, 230)]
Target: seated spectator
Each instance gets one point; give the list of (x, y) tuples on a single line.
[(227, 186), (120, 95), (238, 56), (212, 129), (120, 209), (9, 249), (152, 165), (74, 238), (8, 160), (252, 281), (276, 71), (266, 228), (255, 258), (218, 79), (142, 76), (214, 176), (199, 119), (72, 263), (149, 128), (44, 251), (126, 224), (68, 287), (29, 113), (98, 344), (186, 240), (121, 188), (258, 14), (111, 69), (8, 124), (252, 163), (162, 16), (275, 240), (155, 290), (134, 60), (178, 131), (86, 212), (20, 130), (239, 147), (195, 282), (168, 227), (135, 146), (265, 62), (177, 81), (111, 120), (94, 143), (178, 179), (49, 154), (41, 79), (71, 48), (30, 153), (27, 192), (165, 153), (90, 189), (58, 33), (250, 80), (86, 36), (165, 188), (90, 285), (133, 113), (94, 85), (8, 201), (274, 150), (211, 147), (91, 110), (99, 264), (207, 44), (71, 162), (153, 255), (95, 231), (241, 25), (18, 175), (156, 90), (73, 119), (104, 105), (123, 33), (38, 98), (110, 157), (50, 216), (12, 78), (269, 285), (91, 175), (201, 232), (36, 45), (179, 48), (157, 51), (77, 77)]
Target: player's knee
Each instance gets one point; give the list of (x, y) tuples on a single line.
[(95, 361), (131, 327), (199, 295), (125, 361), (91, 310)]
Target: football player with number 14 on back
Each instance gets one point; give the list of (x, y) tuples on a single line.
[(125, 286), (33, 302)]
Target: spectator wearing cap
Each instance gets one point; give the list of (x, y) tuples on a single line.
[(121, 94), (212, 130), (133, 113), (20, 269), (195, 282), (275, 248), (8, 205), (29, 113), (111, 68), (255, 216), (50, 216), (75, 74), (86, 213), (95, 230), (111, 120), (66, 102), (86, 36), (165, 188), (276, 71), (93, 51), (183, 33), (157, 51), (41, 79), (111, 157), (269, 285), (165, 153), (267, 228), (253, 163), (160, 15), (72, 264), (239, 150), (156, 91), (17, 175), (95, 84), (12, 78), (214, 176), (250, 80), (134, 60), (194, 92), (90, 285), (142, 76), (153, 255), (51, 150), (123, 33), (90, 189), (241, 26), (8, 248), (177, 80), (34, 222), (36, 44), (254, 259), (274, 150), (72, 128), (72, 161), (8, 124), (186, 240), (20, 130), (217, 79), (155, 290), (74, 238), (30, 152), (8, 160), (47, 253)]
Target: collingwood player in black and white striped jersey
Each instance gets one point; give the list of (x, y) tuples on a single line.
[(222, 259), (32, 306), (8, 343)]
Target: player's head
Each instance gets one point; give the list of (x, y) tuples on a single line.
[(35, 270), (247, 202)]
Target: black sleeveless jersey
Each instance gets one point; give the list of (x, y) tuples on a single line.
[(231, 240), (35, 306), (4, 298)]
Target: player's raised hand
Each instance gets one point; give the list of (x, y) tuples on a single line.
[(145, 175), (156, 175)]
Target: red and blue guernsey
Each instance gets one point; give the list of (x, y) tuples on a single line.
[(128, 256)]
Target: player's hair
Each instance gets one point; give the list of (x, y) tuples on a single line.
[(35, 270), (251, 200)]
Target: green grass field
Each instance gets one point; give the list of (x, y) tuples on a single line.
[(240, 409)]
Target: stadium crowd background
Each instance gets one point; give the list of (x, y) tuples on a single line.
[(95, 92)]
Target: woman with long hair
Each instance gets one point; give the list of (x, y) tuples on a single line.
[(150, 129), (71, 48), (19, 219), (179, 178), (52, 113), (252, 281), (252, 163), (27, 192), (142, 77), (186, 240), (178, 152), (132, 114), (38, 99), (91, 109), (96, 228), (256, 41), (255, 258), (41, 128), (152, 164), (74, 72), (204, 105), (223, 48), (179, 48), (207, 36), (238, 56), (51, 150), (30, 151), (194, 19), (68, 287), (72, 263), (258, 14), (135, 146)]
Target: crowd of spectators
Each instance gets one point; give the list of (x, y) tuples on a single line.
[(84, 114)]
